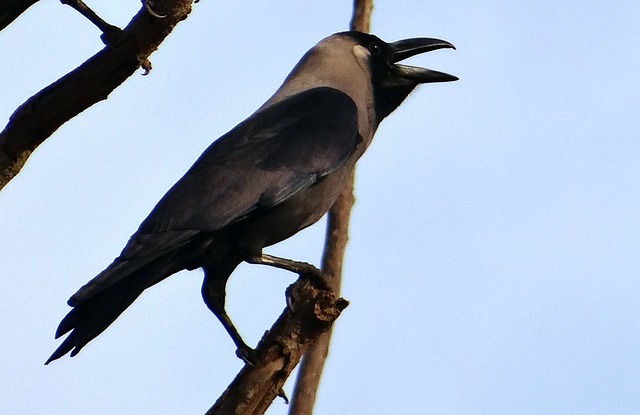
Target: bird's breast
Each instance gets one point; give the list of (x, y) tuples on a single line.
[(296, 213)]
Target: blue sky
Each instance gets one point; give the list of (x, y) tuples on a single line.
[(494, 252)]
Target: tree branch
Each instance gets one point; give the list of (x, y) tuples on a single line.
[(306, 388), (311, 313), (42, 114), (361, 20)]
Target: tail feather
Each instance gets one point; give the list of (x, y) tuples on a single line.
[(93, 315), (141, 250), (87, 320)]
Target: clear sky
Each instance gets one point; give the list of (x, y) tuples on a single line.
[(494, 260)]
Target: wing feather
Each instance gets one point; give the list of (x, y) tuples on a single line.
[(266, 159), (275, 153)]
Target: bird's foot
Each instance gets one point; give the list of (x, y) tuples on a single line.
[(283, 395), (320, 278), (303, 269), (247, 355)]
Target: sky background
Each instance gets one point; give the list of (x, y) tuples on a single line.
[(494, 255)]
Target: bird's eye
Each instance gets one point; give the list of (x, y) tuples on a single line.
[(375, 48)]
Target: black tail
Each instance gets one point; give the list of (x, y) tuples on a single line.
[(91, 316)]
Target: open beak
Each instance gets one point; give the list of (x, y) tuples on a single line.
[(406, 48)]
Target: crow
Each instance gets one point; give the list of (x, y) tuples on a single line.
[(274, 174)]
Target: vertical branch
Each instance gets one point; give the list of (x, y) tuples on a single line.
[(306, 388), (361, 20)]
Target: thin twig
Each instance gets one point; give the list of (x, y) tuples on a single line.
[(42, 114)]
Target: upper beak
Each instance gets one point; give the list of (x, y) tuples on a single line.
[(406, 48)]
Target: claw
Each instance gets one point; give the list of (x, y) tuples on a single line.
[(146, 66), (247, 355), (283, 395), (289, 302), (148, 4)]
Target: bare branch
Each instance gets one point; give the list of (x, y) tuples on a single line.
[(42, 114), (361, 20)]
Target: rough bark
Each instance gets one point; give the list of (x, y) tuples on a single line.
[(311, 312), (308, 380), (42, 114)]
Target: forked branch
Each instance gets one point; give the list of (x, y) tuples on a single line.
[(42, 114), (311, 311)]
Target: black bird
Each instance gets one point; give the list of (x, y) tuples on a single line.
[(274, 174)]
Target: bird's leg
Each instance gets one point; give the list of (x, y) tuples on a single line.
[(213, 293), (243, 351), (303, 269)]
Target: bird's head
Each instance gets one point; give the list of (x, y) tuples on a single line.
[(365, 68), (391, 81)]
